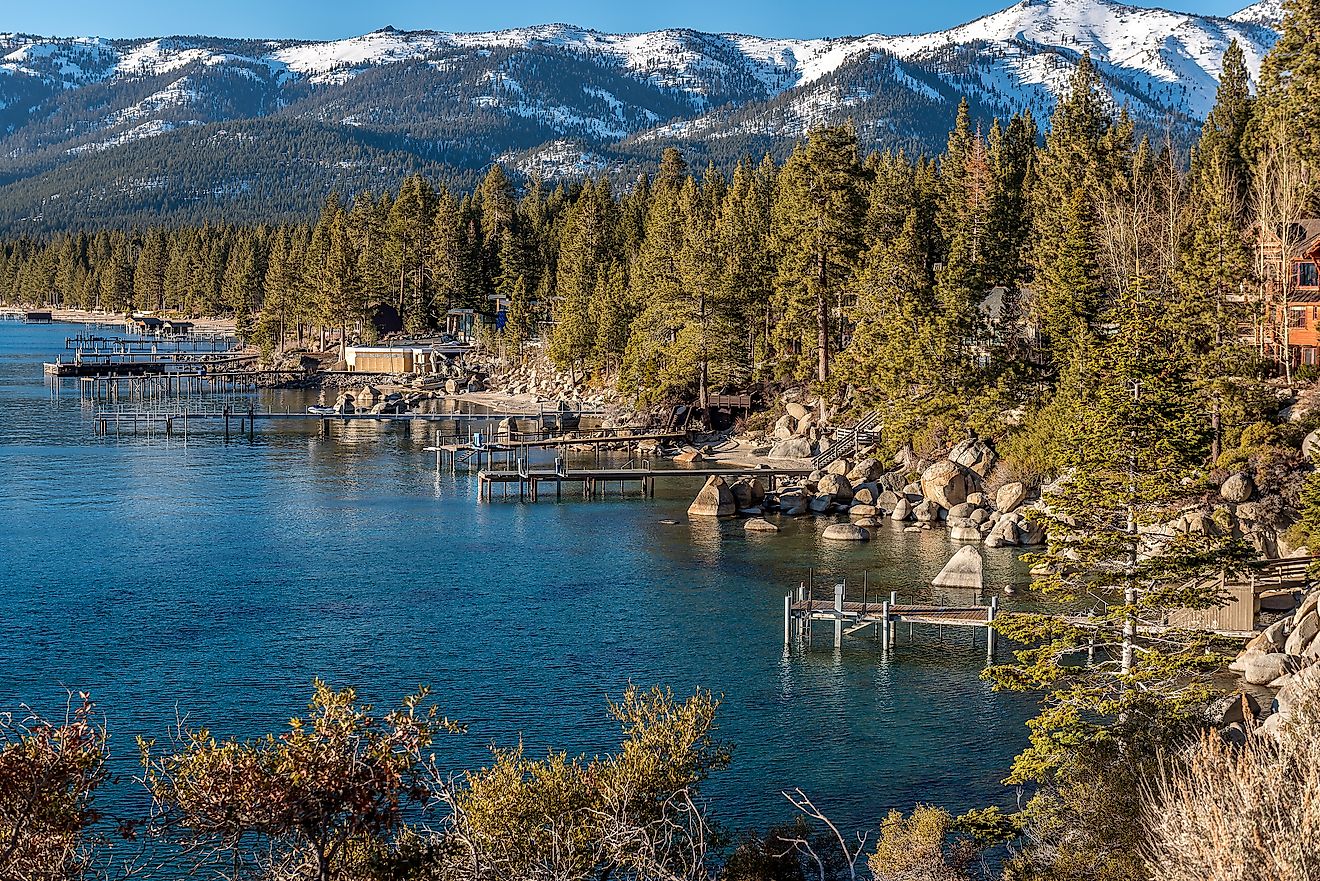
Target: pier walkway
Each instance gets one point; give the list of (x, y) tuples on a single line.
[(595, 481)]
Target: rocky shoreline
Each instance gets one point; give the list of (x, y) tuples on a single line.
[(950, 491)]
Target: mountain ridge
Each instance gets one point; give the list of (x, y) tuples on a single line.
[(555, 100)]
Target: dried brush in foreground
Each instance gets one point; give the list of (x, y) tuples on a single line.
[(1243, 812)]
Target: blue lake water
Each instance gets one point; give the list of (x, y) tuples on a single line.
[(218, 580)]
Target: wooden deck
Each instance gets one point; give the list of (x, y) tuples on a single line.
[(802, 610)]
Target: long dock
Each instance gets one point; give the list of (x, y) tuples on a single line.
[(169, 420), (595, 480)]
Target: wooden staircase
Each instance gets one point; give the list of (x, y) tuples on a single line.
[(846, 440)]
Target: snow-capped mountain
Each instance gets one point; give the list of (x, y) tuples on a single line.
[(192, 120)]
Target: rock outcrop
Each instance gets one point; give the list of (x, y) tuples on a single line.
[(714, 500)]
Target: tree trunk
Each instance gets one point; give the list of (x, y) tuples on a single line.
[(703, 374)]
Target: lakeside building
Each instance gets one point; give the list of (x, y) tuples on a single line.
[(1290, 288), (151, 325), (415, 357)]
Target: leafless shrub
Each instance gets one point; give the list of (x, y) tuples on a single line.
[(1240, 813)]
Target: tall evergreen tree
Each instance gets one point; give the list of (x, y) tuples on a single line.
[(817, 235)]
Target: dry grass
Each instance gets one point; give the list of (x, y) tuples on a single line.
[(1243, 813)]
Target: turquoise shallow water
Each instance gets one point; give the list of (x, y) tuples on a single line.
[(218, 580)]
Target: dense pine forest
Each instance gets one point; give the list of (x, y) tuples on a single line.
[(955, 287)]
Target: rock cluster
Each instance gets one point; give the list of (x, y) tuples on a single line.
[(949, 491), (1283, 658), (541, 381), (799, 433)]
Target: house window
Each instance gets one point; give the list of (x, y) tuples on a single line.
[(1307, 276)]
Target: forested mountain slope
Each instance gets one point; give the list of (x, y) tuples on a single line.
[(99, 131)]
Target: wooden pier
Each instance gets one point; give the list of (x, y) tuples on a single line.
[(595, 481), (881, 613), (483, 450), (241, 411)]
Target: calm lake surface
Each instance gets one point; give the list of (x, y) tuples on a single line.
[(218, 580)]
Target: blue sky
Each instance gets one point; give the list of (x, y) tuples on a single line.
[(340, 18)]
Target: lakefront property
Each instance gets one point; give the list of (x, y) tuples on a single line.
[(547, 454)]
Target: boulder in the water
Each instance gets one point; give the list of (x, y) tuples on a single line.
[(964, 569), (845, 532), (714, 500)]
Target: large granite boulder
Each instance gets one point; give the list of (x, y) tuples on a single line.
[(975, 455), (865, 495), (793, 448), (865, 471), (796, 410), (901, 511), (964, 569), (1237, 487), (1010, 497), (1007, 533), (946, 484), (845, 532), (1262, 669), (714, 500), (927, 512), (1302, 634), (1271, 639), (836, 485), (821, 502), (757, 488), (965, 533)]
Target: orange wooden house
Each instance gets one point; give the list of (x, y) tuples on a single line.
[(1292, 293)]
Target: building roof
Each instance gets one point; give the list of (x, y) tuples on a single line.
[(1305, 236)]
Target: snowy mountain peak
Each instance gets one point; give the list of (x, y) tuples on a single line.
[(559, 96), (1266, 13)]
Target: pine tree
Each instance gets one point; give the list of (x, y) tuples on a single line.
[(1085, 154), (817, 235), (149, 273), (746, 277), (1290, 82), (1128, 448), (585, 247), (409, 228), (1215, 256)]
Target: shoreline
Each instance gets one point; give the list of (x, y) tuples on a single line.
[(86, 316)]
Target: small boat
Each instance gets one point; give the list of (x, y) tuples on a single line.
[(322, 411)]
